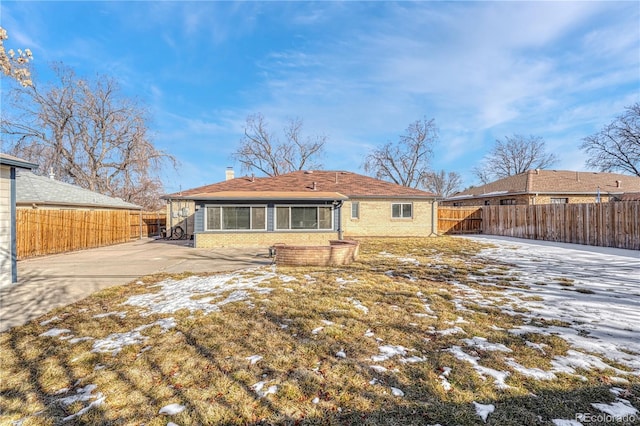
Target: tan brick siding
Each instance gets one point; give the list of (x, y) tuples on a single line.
[(375, 219), (262, 239), (187, 223)]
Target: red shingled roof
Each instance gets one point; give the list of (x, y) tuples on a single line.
[(339, 182)]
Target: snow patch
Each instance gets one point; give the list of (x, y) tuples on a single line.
[(115, 342), (483, 410), (172, 409), (498, 376), (253, 359), (389, 351), (55, 332), (564, 422), (619, 409), (483, 344), (186, 293), (258, 389), (396, 392)]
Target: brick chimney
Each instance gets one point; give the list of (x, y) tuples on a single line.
[(229, 174)]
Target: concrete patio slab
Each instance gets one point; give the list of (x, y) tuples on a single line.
[(45, 283)]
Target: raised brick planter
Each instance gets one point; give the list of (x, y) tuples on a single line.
[(338, 252)]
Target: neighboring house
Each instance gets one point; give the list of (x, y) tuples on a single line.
[(630, 196), (302, 207), (57, 217), (8, 259), (42, 192), (547, 187)]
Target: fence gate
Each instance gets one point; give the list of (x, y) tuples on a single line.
[(459, 220)]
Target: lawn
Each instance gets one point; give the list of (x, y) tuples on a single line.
[(445, 331)]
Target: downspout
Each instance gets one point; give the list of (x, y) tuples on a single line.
[(434, 232), (338, 206), (169, 229)]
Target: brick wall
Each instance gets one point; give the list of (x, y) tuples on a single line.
[(375, 219), (262, 239), (176, 219), (337, 253)]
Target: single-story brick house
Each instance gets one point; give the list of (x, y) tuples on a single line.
[(547, 187), (8, 258), (302, 207)]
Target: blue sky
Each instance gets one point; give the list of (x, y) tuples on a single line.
[(359, 72)]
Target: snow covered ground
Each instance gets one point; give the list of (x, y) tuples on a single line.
[(595, 292), (594, 289)]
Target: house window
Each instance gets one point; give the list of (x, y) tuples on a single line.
[(559, 201), (304, 217), (508, 202), (487, 202), (402, 210), (355, 210), (458, 204), (222, 218)]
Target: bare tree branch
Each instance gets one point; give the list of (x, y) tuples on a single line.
[(442, 183), (262, 151), (88, 134), (407, 161), (617, 146), (515, 155)]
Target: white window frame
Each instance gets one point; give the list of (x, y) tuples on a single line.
[(289, 206), (402, 211), (559, 200), (355, 204), (221, 206)]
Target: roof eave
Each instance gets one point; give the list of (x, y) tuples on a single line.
[(536, 193), (81, 205), (18, 163), (395, 197)]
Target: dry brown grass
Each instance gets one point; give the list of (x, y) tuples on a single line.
[(202, 362)]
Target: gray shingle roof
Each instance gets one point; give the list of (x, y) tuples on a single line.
[(34, 189)]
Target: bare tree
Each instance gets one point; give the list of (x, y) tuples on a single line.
[(515, 155), (405, 162), (442, 183), (617, 146), (88, 134), (15, 64), (262, 151)]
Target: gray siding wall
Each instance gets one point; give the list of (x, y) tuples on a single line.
[(198, 220)]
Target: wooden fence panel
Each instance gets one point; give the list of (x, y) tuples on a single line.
[(459, 220), (147, 224), (615, 224), (42, 231)]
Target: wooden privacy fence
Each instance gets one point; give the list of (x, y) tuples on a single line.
[(41, 231), (147, 224), (459, 220), (615, 224)]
